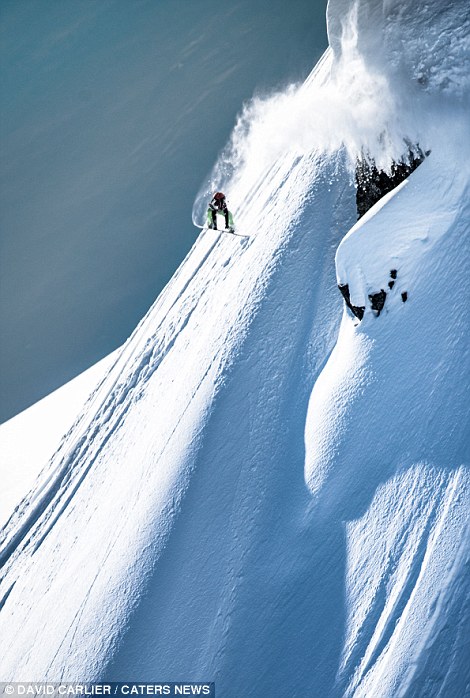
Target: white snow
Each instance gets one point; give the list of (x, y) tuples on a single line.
[(28, 440), (264, 492), (393, 399)]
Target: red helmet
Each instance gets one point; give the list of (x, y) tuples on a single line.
[(218, 195)]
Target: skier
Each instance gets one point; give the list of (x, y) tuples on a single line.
[(219, 205)]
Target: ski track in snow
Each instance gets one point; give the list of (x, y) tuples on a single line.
[(112, 394), (392, 587), (250, 497), (189, 298)]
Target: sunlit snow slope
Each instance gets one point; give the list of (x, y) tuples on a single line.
[(28, 440), (241, 500)]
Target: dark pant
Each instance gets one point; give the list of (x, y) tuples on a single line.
[(214, 218)]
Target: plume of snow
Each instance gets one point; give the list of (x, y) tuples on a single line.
[(344, 104)]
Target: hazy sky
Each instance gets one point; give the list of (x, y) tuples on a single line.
[(112, 113)]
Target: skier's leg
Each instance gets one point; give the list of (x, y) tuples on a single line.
[(214, 219)]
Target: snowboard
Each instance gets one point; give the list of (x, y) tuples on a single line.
[(229, 232), (238, 235)]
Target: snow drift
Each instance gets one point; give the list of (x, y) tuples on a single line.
[(249, 497)]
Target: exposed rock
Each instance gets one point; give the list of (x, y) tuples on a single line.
[(377, 301), (372, 184), (356, 310), (404, 296)]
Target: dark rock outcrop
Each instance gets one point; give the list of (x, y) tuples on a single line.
[(356, 310), (372, 184), (377, 301)]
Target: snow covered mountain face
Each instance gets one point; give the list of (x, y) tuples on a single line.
[(262, 492)]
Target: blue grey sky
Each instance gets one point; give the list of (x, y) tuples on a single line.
[(112, 112)]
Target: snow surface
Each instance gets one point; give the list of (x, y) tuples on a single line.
[(44, 423), (263, 492), (388, 419)]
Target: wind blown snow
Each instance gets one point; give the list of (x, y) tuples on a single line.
[(347, 103)]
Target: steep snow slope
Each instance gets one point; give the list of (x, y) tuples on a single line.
[(390, 413), (387, 434), (29, 440), (159, 503), (230, 508)]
